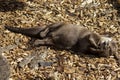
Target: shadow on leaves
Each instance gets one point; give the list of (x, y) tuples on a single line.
[(11, 5)]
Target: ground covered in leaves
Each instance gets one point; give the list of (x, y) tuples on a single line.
[(44, 63)]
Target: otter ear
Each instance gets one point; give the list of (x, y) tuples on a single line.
[(94, 39)]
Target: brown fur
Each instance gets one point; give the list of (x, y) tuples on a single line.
[(70, 36)]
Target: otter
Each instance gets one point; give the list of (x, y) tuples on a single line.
[(70, 37)]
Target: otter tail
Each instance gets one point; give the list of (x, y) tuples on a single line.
[(31, 32)]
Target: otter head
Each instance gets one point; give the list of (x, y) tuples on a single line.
[(107, 46), (102, 46)]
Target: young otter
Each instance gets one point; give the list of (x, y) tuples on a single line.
[(69, 36)]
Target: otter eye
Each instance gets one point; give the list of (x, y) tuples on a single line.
[(104, 43)]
